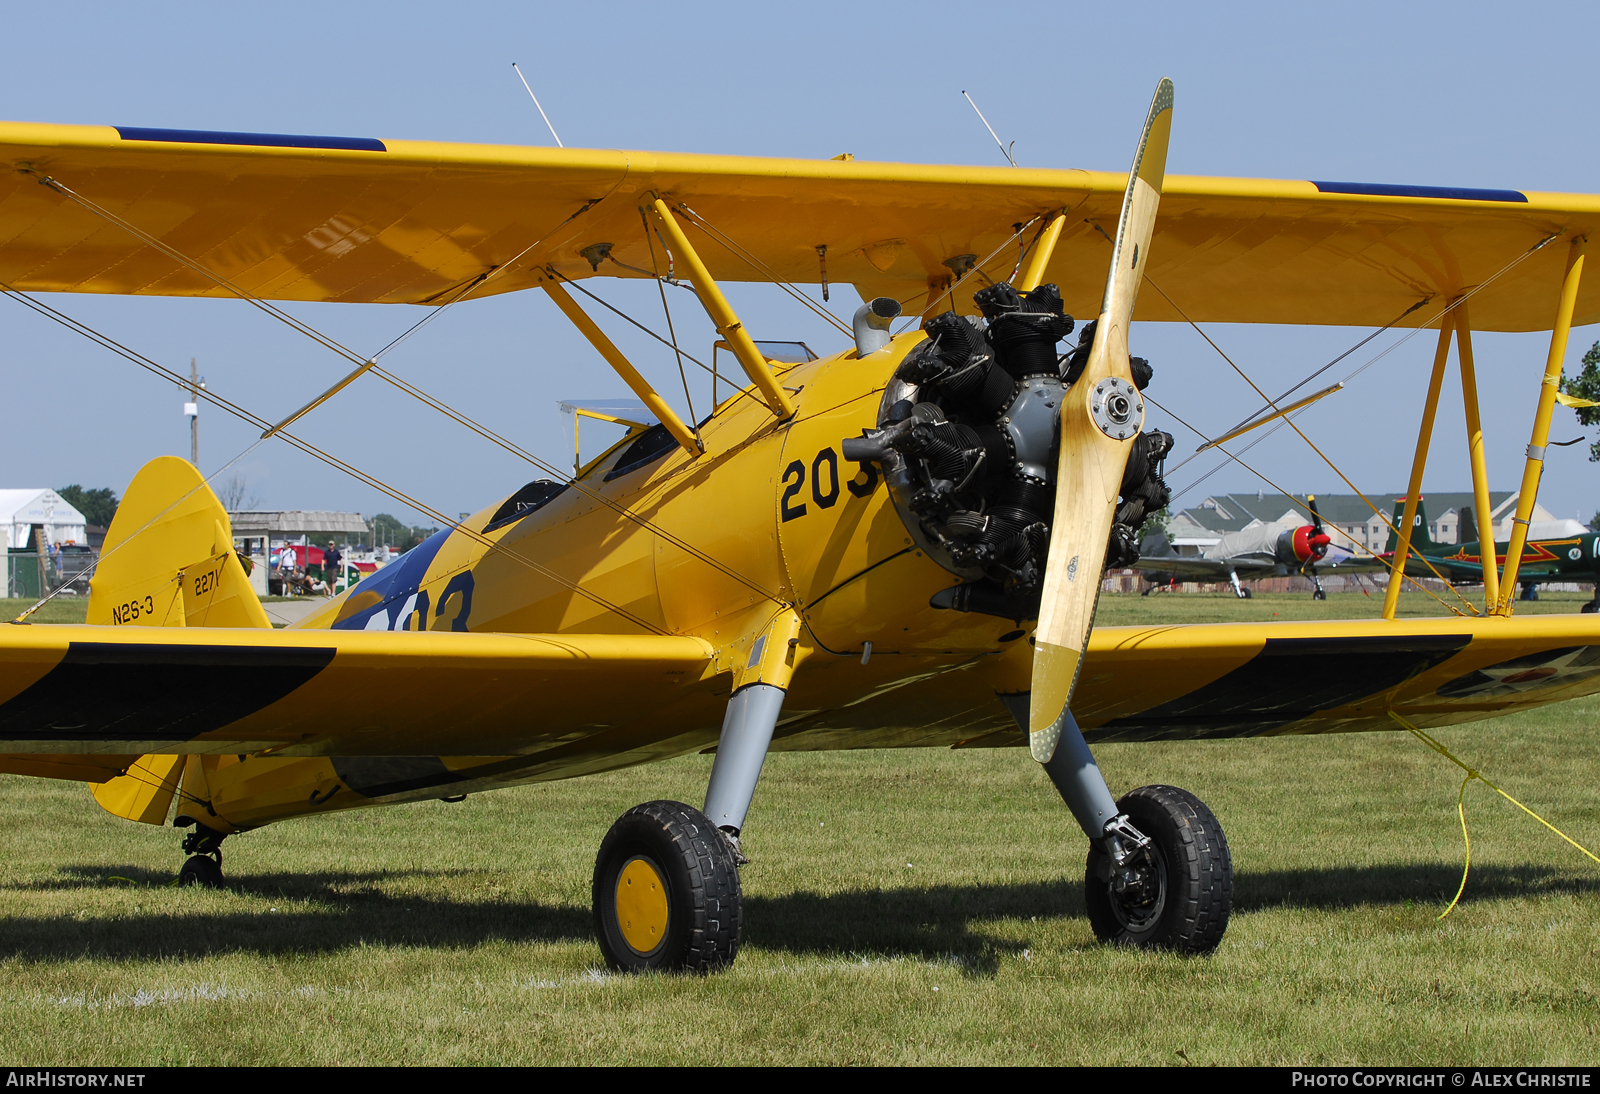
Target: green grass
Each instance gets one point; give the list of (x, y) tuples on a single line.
[(903, 907)]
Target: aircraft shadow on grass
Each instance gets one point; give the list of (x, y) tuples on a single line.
[(938, 923)]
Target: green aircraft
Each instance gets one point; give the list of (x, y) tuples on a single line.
[(1557, 550)]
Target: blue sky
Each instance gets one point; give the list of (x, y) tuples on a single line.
[(1465, 95)]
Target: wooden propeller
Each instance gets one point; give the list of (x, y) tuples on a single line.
[(1100, 418)]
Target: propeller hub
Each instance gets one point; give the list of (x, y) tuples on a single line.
[(1117, 408)]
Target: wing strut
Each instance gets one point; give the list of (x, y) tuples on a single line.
[(630, 375), (723, 315), (1533, 468)]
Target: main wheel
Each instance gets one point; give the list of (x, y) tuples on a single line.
[(1590, 608), (666, 892), (201, 870), (1319, 594), (1175, 894)]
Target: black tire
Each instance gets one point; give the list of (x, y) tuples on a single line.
[(705, 912), (1319, 595), (1244, 594), (1590, 608), (1193, 873), (201, 870)]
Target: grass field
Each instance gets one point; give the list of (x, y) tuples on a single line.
[(903, 907)]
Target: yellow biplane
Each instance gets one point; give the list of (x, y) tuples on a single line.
[(898, 544)]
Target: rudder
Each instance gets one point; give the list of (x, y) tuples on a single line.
[(168, 558), (1420, 539), (167, 561)]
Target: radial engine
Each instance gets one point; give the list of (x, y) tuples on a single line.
[(967, 439)]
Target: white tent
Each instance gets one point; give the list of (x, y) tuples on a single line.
[(20, 510)]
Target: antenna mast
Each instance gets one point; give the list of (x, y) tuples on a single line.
[(1004, 151), (546, 117)]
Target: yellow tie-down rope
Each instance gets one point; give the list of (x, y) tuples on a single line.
[(1461, 806)]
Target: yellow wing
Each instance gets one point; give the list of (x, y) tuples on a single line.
[(87, 699), (332, 219)]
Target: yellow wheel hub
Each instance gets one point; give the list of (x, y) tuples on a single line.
[(642, 909)]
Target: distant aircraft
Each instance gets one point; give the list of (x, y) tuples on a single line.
[(1556, 550), (1257, 552)]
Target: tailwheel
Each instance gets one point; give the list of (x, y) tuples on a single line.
[(203, 867), (201, 870), (1175, 891), (666, 892)]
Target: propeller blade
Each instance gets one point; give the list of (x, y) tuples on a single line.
[(1100, 417), (1316, 517)]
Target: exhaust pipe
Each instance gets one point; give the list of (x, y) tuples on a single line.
[(871, 324)]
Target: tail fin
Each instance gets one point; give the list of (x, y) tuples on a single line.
[(1420, 539), (1468, 530), (168, 559)]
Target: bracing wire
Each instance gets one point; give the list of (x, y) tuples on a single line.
[(404, 386), (1263, 477), (132, 535), (1288, 419), (312, 450), (556, 274), (671, 331), (760, 267), (976, 269)]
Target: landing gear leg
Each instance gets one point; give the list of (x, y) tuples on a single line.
[(204, 865), (1238, 590), (1159, 874), (742, 749), (666, 882), (1320, 593)]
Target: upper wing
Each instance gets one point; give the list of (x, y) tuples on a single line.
[(315, 218)]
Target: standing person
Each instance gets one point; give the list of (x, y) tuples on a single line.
[(286, 567), (332, 558)]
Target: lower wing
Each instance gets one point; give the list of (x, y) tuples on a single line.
[(283, 723)]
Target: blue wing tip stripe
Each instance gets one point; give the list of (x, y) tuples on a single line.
[(258, 140), (1447, 193)]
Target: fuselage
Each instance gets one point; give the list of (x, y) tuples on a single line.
[(771, 514)]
